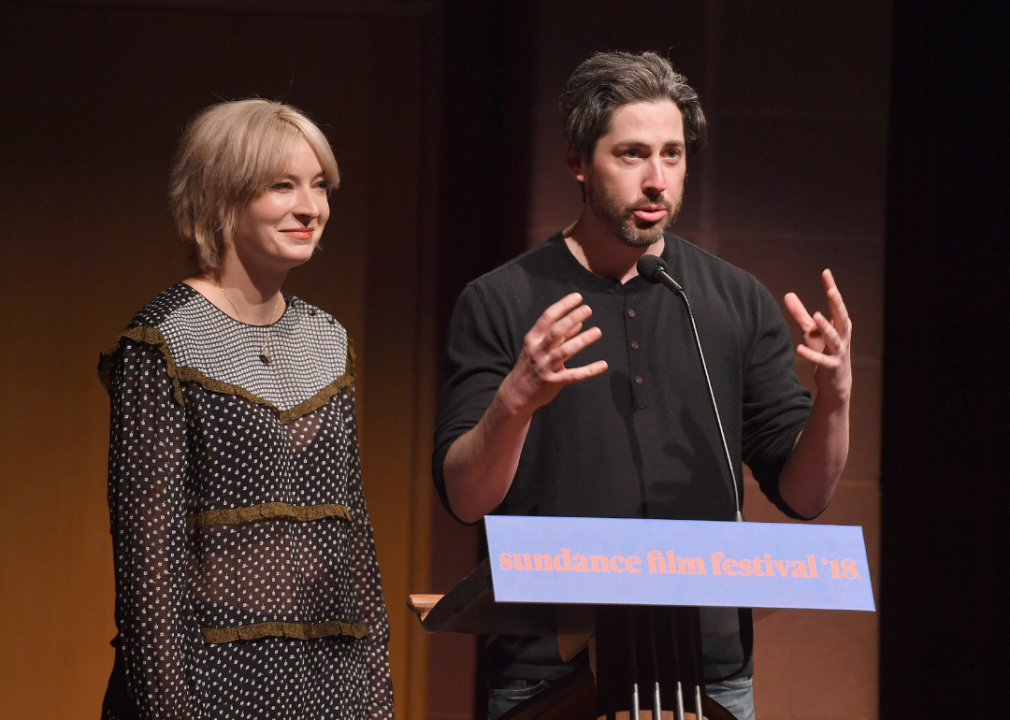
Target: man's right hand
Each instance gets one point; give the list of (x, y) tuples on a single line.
[(540, 372), (481, 463)]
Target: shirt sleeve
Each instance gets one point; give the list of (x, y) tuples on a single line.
[(775, 405), (147, 470), (367, 582), (479, 355)]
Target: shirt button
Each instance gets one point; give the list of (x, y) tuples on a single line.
[(639, 380), (634, 344), (631, 313), (618, 287)]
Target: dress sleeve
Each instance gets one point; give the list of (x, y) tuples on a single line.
[(367, 583), (776, 406), (147, 470)]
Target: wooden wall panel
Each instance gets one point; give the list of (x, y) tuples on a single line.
[(96, 97), (398, 400)]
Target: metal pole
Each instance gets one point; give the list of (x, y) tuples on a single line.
[(634, 667), (657, 702), (679, 707)]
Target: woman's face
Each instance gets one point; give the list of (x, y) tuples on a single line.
[(282, 226)]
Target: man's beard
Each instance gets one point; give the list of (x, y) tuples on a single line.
[(622, 222)]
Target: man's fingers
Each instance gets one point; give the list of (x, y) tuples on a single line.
[(838, 310), (832, 362), (826, 341), (557, 311), (828, 333), (572, 347), (573, 331), (578, 374), (799, 312), (561, 330)]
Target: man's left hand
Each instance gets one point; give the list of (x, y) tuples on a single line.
[(826, 342)]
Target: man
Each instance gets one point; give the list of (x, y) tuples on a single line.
[(630, 432)]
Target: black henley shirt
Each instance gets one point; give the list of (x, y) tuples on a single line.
[(640, 440)]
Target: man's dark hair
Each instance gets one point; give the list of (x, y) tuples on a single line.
[(606, 81)]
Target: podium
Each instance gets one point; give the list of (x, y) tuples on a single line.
[(618, 632), (628, 592)]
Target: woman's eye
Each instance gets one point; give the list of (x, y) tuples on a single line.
[(281, 186), (324, 184)]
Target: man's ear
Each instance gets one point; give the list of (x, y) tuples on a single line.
[(577, 164)]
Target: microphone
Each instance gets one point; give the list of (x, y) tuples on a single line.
[(654, 269)]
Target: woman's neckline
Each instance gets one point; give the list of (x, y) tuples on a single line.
[(208, 301)]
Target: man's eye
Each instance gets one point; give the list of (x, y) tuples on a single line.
[(633, 153)]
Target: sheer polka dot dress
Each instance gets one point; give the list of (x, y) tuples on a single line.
[(246, 578)]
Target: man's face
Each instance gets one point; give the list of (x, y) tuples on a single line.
[(635, 179)]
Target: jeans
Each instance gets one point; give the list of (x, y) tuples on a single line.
[(735, 695)]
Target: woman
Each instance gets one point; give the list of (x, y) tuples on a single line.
[(246, 579)]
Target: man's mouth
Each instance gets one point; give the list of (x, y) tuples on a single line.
[(651, 213)]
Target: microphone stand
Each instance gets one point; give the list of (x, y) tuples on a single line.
[(655, 271)]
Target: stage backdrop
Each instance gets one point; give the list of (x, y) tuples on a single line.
[(95, 98), (96, 93)]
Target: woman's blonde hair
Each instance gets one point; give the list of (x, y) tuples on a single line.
[(229, 154)]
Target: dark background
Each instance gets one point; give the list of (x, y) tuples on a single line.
[(894, 157), (946, 389)]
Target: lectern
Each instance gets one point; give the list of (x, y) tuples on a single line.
[(628, 592)]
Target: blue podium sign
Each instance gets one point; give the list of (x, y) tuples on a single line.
[(607, 561)]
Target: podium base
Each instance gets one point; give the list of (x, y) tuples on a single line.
[(574, 698), (667, 715), (713, 711)]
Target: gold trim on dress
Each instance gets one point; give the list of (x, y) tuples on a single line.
[(297, 631), (266, 511), (152, 336)]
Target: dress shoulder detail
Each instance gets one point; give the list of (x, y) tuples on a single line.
[(151, 336)]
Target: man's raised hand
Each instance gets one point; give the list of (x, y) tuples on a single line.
[(540, 372), (826, 343), (481, 463)]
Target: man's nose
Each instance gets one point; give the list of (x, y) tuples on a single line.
[(654, 180)]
